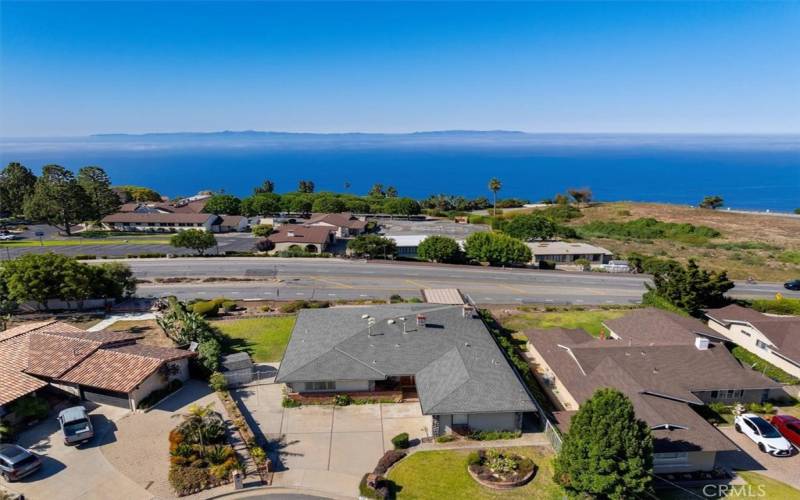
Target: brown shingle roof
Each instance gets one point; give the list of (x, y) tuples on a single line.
[(138, 218), (783, 332), (658, 327), (344, 219), (651, 376), (734, 312), (301, 234)]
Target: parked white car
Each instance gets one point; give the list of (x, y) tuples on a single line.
[(7, 236), (767, 437)]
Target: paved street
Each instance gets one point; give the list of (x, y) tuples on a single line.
[(335, 279)]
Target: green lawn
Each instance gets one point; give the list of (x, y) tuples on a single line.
[(443, 474), (586, 320), (264, 338), (85, 241)]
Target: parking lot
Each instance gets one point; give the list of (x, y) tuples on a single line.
[(328, 448), (786, 469)]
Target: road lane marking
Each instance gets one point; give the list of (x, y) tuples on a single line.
[(417, 283), (514, 289), (332, 282)]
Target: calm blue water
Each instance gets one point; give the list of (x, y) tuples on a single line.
[(748, 174)]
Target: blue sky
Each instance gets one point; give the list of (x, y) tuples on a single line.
[(706, 67)]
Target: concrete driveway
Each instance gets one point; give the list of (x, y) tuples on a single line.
[(786, 469), (76, 472), (327, 448)]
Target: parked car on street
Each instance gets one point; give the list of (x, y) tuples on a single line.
[(792, 285), (789, 426), (767, 437), (7, 236), (16, 462), (75, 425)]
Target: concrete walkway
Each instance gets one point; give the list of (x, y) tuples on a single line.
[(120, 317)]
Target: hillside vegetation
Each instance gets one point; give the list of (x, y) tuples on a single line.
[(762, 246)]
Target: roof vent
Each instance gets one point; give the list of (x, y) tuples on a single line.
[(290, 234), (701, 343), (391, 321), (467, 311), (421, 320)]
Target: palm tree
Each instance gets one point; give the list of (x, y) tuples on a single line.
[(494, 187), (197, 418)]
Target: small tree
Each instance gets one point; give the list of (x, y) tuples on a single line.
[(372, 245), (260, 204), (16, 184), (223, 204), (391, 192), (266, 187), (196, 239), (439, 249), (581, 196), (497, 249), (494, 187), (328, 204), (691, 289), (305, 186), (58, 199), (265, 245), (608, 452), (262, 230), (402, 206), (376, 190), (97, 186), (529, 227), (712, 202)]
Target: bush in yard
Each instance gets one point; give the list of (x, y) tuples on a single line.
[(30, 408), (209, 352), (290, 403), (217, 382), (474, 458), (373, 246), (388, 459), (608, 451), (400, 441), (265, 245), (445, 438), (720, 408), (262, 230), (206, 308), (496, 249), (296, 305), (342, 400)]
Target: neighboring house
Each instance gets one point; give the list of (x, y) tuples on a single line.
[(314, 239), (444, 353), (345, 224), (159, 222), (773, 338), (665, 364), (104, 367), (564, 252), (408, 244), (231, 223)]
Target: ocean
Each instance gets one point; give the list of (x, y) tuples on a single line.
[(749, 172)]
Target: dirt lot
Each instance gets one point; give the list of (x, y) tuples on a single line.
[(779, 234)]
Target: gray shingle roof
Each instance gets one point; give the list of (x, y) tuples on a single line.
[(458, 366)]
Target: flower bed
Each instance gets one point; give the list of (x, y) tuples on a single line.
[(199, 456), (356, 398), (500, 470), (257, 453)]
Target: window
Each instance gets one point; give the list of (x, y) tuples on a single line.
[(460, 419), (320, 386), (761, 345), (661, 458), (714, 394)]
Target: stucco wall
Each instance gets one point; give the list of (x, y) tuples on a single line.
[(481, 421), (558, 393), (339, 385), (746, 336), (156, 381)]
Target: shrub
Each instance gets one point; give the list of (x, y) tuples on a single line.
[(296, 305), (395, 299), (400, 441), (494, 435), (720, 408), (445, 438), (290, 403), (749, 359), (185, 480), (388, 459), (262, 230), (342, 400), (782, 306), (30, 408), (208, 308), (651, 229), (265, 245), (474, 458), (217, 382)]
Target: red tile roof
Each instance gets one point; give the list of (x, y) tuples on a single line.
[(16, 384), (52, 355)]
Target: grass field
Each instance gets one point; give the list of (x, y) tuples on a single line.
[(265, 339), (443, 474), (85, 241), (524, 319), (762, 246)]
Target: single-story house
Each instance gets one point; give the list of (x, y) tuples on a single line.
[(443, 352), (159, 222), (665, 364), (773, 338), (105, 367), (565, 252), (231, 223), (345, 224), (408, 244), (315, 239)]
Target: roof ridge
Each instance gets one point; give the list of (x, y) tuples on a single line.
[(459, 386)]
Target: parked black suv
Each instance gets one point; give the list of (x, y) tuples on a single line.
[(792, 285)]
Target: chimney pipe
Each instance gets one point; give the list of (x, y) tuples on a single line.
[(421, 320)]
